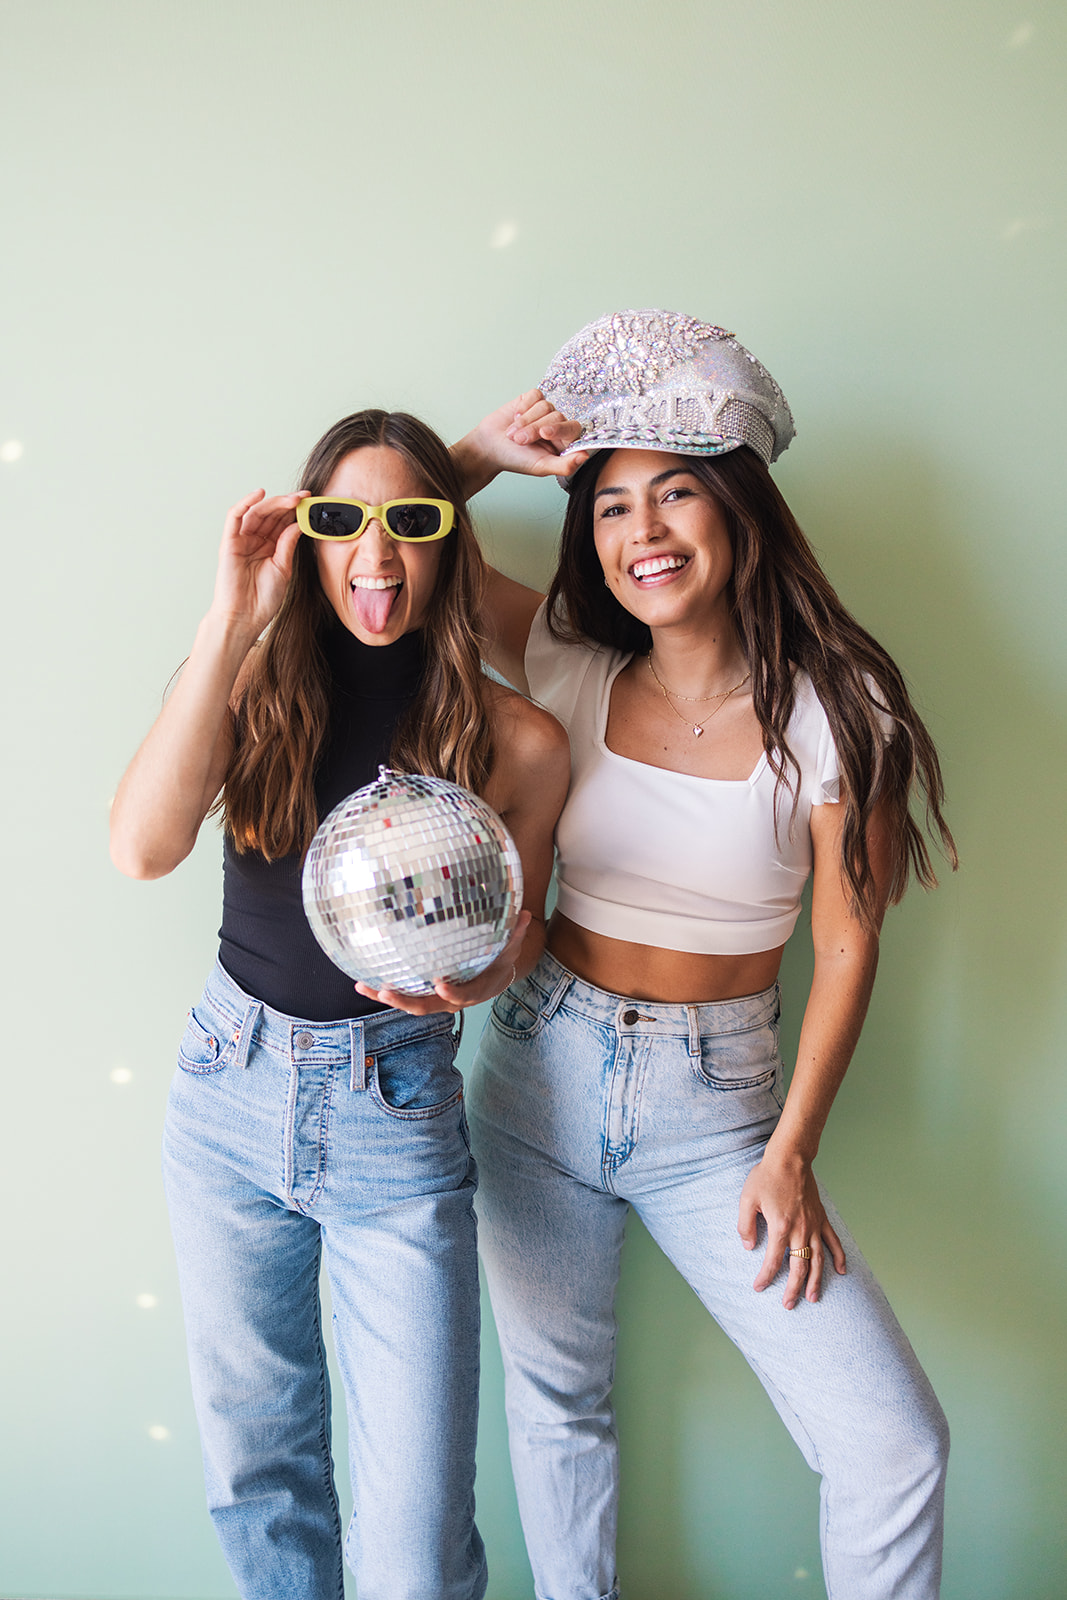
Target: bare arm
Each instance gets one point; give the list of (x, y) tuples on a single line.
[(782, 1187), (535, 772), (528, 789), (172, 781), (524, 436), (507, 616)]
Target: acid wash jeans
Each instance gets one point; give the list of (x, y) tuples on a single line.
[(283, 1137), (584, 1103)]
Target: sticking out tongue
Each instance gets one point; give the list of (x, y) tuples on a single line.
[(372, 607)]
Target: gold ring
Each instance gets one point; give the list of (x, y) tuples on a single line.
[(804, 1254)]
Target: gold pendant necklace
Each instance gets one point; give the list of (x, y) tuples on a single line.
[(721, 697)]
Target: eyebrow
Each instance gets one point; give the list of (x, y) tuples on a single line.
[(653, 483)]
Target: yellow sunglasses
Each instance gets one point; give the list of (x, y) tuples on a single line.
[(410, 521)]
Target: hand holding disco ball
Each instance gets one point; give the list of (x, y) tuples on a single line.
[(412, 880)]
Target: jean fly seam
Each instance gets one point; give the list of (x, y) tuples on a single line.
[(324, 1124), (288, 1127), (636, 1050)]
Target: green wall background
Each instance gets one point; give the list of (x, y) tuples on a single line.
[(229, 223)]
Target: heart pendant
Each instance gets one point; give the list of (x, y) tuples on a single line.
[(697, 731)]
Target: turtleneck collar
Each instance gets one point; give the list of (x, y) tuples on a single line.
[(375, 671)]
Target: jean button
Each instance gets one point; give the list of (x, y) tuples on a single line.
[(304, 1041), (630, 1017)]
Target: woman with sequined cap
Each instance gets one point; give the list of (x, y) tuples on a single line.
[(733, 731), (308, 1117)]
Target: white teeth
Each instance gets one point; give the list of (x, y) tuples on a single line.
[(649, 569), (376, 583)]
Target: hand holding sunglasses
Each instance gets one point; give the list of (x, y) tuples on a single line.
[(409, 521)]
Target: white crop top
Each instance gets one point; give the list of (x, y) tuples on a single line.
[(665, 858)]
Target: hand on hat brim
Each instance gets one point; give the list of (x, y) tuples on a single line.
[(492, 447), (538, 425)]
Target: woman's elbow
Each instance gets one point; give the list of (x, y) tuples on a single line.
[(134, 863), (141, 858)]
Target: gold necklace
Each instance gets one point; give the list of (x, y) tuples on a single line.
[(721, 697)]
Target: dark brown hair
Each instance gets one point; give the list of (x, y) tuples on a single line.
[(787, 615), (282, 717)]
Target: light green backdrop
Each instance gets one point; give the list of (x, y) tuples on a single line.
[(227, 224)]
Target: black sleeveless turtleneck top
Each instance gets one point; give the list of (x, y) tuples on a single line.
[(265, 942)]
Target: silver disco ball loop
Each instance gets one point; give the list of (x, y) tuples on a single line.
[(411, 880)]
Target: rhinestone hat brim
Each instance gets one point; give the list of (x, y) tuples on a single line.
[(662, 380), (689, 444)]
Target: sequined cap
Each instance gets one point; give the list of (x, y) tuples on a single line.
[(658, 380)]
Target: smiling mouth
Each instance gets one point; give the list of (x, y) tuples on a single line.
[(657, 566)]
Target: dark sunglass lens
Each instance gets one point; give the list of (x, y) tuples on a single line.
[(331, 520), (413, 521)]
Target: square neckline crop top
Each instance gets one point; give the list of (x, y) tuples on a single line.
[(665, 858)]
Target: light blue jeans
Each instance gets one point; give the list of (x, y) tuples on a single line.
[(283, 1136), (584, 1103)]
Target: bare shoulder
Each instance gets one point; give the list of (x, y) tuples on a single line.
[(523, 729), (532, 753)]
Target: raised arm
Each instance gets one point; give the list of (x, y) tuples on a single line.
[(173, 780), (525, 436), (782, 1187)]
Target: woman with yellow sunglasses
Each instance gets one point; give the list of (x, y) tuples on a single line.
[(305, 1113)]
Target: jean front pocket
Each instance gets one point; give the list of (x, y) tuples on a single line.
[(518, 1011), (201, 1050), (418, 1077), (745, 1060)]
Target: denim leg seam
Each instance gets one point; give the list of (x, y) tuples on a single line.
[(824, 1514), (324, 1443)]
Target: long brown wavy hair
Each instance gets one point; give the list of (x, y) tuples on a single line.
[(282, 717), (787, 615)]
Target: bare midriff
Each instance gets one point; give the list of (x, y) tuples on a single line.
[(645, 972)]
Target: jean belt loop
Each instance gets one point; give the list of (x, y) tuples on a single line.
[(246, 1031), (358, 1076), (693, 1012), (555, 999), (458, 1030)]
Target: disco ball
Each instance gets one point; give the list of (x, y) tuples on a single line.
[(410, 880)]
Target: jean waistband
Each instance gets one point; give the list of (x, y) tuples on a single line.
[(558, 986), (313, 1042)]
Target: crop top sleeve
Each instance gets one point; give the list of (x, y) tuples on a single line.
[(707, 865)]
